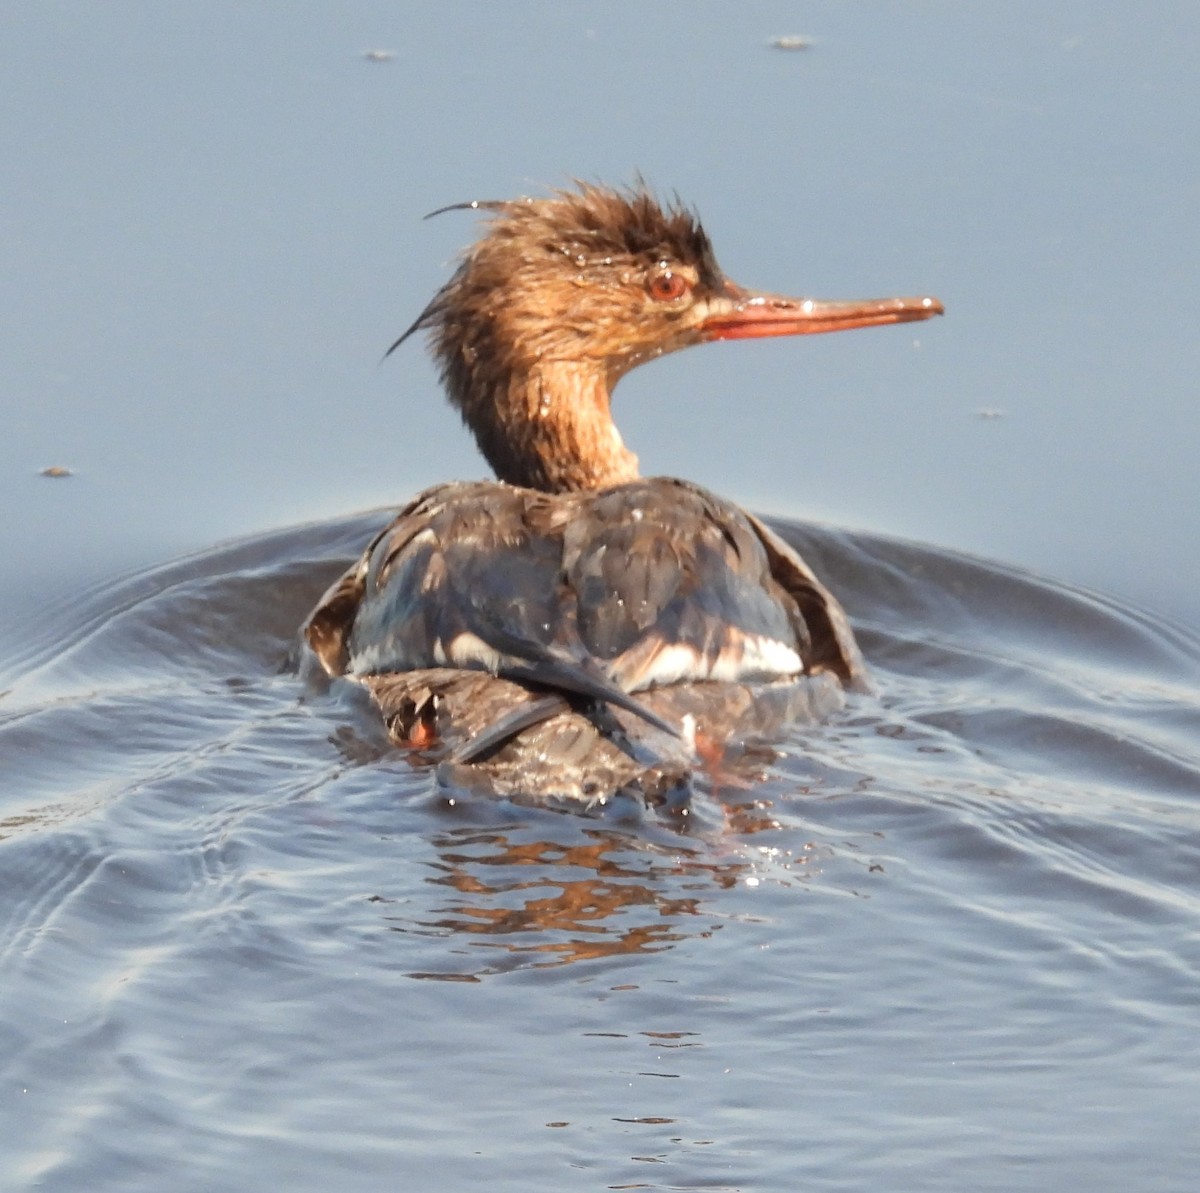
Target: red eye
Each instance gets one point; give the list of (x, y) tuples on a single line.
[(666, 286)]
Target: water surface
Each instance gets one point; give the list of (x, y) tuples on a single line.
[(948, 939), (213, 230)]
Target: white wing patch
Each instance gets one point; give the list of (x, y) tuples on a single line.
[(766, 658), (465, 650), (468, 650), (744, 658)]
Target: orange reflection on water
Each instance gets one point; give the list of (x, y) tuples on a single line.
[(598, 896)]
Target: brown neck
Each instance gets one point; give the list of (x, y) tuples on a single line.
[(550, 428)]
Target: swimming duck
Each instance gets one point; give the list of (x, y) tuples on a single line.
[(573, 630)]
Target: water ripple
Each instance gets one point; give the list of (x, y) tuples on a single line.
[(245, 941)]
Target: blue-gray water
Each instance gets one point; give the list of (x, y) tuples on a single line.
[(951, 940), (948, 941)]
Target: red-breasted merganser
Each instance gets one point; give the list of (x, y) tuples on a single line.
[(573, 630)]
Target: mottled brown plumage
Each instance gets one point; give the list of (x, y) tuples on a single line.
[(574, 630)]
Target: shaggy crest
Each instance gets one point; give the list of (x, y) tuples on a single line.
[(559, 285), (591, 227)]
